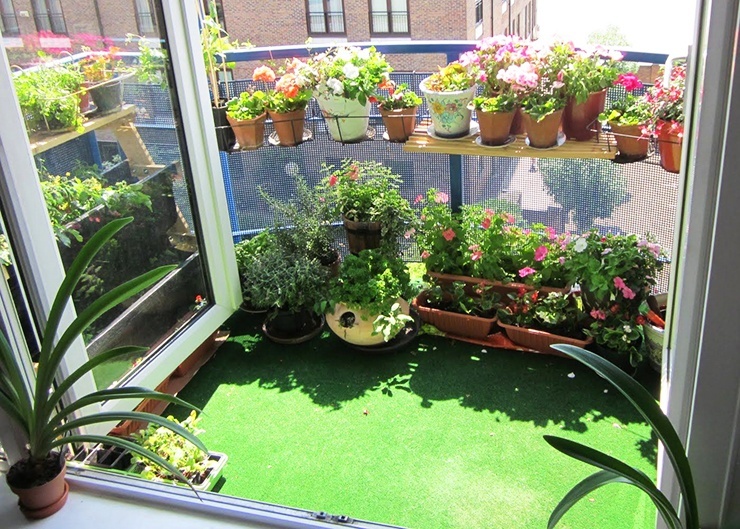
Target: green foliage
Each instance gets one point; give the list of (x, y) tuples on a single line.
[(587, 73), (152, 62), (350, 72), (281, 102), (391, 324), (441, 235), (249, 105), (611, 35), (49, 97), (451, 78), (250, 261), (506, 102), (99, 67), (538, 105), (589, 188), (632, 110), (454, 297), (214, 43), (555, 312), (36, 408), (398, 97), (616, 471), (190, 460)]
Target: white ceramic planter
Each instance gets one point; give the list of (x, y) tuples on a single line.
[(356, 326), (347, 119), (449, 111)]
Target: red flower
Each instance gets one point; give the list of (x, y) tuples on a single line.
[(486, 223), (629, 81), (640, 320), (332, 180), (263, 73), (448, 234)]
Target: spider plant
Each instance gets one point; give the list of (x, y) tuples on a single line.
[(615, 471), (37, 407)]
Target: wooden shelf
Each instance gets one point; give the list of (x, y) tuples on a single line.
[(43, 142), (603, 146)]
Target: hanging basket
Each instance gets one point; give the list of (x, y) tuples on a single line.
[(347, 119)]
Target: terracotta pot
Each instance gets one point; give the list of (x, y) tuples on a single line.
[(495, 127), (669, 148), (84, 96), (399, 123), (517, 124), (44, 500), (249, 133), (289, 126), (543, 134), (355, 326), (225, 138), (580, 118), (465, 325), (496, 286), (362, 235), (539, 340), (631, 143)]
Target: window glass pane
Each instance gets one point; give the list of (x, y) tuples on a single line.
[(316, 6), (316, 18), (8, 21), (127, 161), (335, 16), (400, 16)]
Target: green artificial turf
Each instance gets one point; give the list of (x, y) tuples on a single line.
[(442, 435)]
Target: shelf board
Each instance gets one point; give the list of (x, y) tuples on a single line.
[(603, 146), (43, 142)]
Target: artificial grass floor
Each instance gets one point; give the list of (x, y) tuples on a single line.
[(441, 435)]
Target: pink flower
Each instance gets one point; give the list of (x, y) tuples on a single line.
[(486, 223), (527, 271), (628, 293), (476, 255), (409, 233), (551, 234), (561, 260), (332, 180), (474, 247), (425, 254), (448, 234), (510, 218), (441, 198), (482, 77), (540, 253), (619, 283), (629, 81), (263, 73), (598, 314), (419, 198)]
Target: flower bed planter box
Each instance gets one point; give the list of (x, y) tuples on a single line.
[(497, 286), (539, 340), (464, 325)]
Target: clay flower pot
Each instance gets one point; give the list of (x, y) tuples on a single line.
[(580, 118), (249, 132), (289, 126), (670, 143), (495, 127), (631, 143), (399, 123), (543, 134), (43, 500)]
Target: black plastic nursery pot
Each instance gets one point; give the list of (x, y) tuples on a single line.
[(225, 138), (285, 327), (108, 96)]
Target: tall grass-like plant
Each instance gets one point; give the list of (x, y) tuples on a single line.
[(615, 471), (37, 408)]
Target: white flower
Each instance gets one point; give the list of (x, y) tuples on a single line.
[(364, 54), (580, 245), (351, 71), (345, 54), (627, 328), (336, 86)]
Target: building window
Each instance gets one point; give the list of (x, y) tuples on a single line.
[(325, 17), (478, 11), (145, 17), (8, 22), (49, 16), (389, 16)]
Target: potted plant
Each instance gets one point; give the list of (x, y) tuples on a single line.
[(36, 409), (666, 100), (451, 309), (246, 115), (287, 103), (537, 321), (398, 111), (448, 93), (495, 116), (346, 78), (103, 71), (587, 76), (369, 298), (366, 195), (629, 119), (49, 98), (441, 235), (247, 254), (202, 469), (613, 470)]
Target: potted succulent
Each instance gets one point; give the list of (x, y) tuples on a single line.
[(629, 119), (369, 298), (666, 100), (448, 93), (537, 320), (287, 103), (246, 115), (104, 73), (38, 479), (346, 78), (398, 111), (587, 76), (366, 195), (451, 309), (49, 98)]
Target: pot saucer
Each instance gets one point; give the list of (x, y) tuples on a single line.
[(511, 139), (560, 142), (45, 512), (474, 129), (273, 139)]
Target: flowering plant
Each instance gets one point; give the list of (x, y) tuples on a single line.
[(398, 97), (292, 91), (454, 297), (590, 71), (495, 56), (102, 66), (555, 312), (666, 100), (618, 330), (351, 72), (631, 110), (455, 77), (441, 237), (367, 191)]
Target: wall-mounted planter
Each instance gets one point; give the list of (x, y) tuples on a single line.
[(540, 340), (466, 325)]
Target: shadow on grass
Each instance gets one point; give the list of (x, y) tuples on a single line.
[(540, 389)]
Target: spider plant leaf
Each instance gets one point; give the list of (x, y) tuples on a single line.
[(651, 412)]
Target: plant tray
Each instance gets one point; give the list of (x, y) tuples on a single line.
[(496, 286), (452, 322), (539, 340)]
